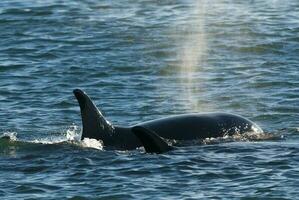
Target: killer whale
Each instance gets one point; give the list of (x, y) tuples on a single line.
[(150, 134)]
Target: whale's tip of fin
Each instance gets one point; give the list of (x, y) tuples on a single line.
[(78, 91), (152, 142), (79, 94)]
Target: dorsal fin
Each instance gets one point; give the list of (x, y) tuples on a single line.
[(152, 142), (95, 126)]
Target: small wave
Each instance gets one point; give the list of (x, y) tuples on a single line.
[(9, 135), (71, 136), (247, 137)]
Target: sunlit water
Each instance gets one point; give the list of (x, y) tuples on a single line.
[(140, 60)]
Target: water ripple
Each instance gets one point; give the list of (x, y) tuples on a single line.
[(140, 60)]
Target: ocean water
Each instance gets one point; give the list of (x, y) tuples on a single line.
[(141, 60)]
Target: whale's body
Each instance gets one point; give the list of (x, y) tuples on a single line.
[(179, 127)]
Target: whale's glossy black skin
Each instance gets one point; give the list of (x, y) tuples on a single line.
[(179, 127)]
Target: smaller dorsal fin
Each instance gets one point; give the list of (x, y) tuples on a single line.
[(152, 142)]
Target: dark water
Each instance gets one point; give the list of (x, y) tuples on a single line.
[(141, 60)]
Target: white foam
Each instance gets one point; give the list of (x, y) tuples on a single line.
[(48, 140), (92, 143), (255, 128), (11, 135), (72, 134), (248, 136)]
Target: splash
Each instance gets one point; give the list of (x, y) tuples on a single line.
[(92, 143), (71, 136), (12, 136), (256, 134), (72, 133), (245, 137)]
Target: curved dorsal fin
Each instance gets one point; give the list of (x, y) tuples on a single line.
[(95, 126), (152, 142)]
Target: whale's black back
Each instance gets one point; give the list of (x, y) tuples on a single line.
[(199, 126)]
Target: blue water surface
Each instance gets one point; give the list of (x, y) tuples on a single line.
[(140, 60)]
